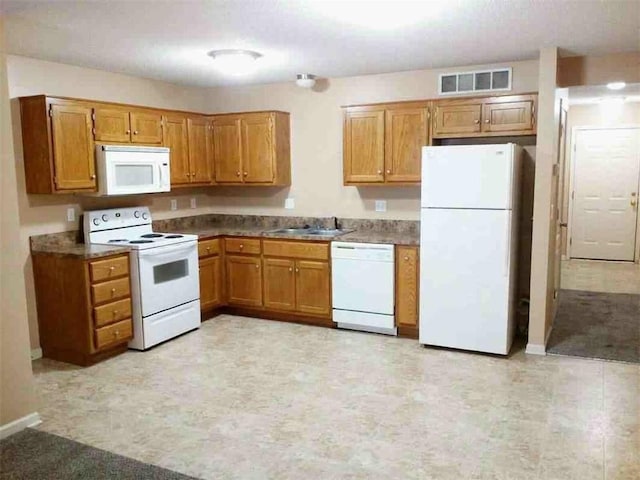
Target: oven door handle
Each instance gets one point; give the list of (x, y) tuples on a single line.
[(167, 250)]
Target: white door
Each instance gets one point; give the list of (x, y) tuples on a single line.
[(605, 193), (468, 176)]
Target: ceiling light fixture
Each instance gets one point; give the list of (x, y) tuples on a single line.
[(305, 80), (616, 85), (235, 62)]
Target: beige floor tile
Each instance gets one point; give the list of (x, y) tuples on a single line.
[(600, 276)]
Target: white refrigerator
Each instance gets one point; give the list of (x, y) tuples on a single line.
[(468, 246)]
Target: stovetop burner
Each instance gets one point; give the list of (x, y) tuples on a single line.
[(115, 240), (152, 235), (141, 241), (174, 236)]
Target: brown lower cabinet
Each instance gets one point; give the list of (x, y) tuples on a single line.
[(407, 290), (211, 275), (84, 306)]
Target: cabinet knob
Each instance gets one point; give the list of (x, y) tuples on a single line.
[(193, 174), (406, 259), (245, 174), (112, 268), (379, 172), (297, 270), (92, 177), (476, 121), (115, 313), (135, 132), (257, 265), (116, 333), (388, 171), (127, 132), (187, 174), (208, 249), (241, 246), (290, 269), (486, 121), (113, 291), (237, 174)]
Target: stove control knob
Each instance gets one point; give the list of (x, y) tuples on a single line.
[(145, 216), (136, 214), (105, 217), (96, 221)]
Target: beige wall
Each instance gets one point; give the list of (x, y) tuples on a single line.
[(594, 115), (17, 395), (573, 71), (316, 142)]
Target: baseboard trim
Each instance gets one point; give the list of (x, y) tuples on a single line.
[(536, 348), (10, 428), (36, 353)]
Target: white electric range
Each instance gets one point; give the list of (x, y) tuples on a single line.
[(165, 283)]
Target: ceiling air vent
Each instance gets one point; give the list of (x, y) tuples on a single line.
[(456, 83)]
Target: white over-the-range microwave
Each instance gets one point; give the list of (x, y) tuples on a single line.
[(129, 170)]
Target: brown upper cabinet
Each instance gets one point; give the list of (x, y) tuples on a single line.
[(383, 143), (252, 148), (119, 125), (485, 117), (200, 132), (191, 144)]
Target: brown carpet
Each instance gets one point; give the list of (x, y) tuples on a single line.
[(597, 325)]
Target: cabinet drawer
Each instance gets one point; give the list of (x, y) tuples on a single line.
[(313, 251), (106, 269), (111, 290), (242, 245), (113, 334), (208, 247), (112, 312)]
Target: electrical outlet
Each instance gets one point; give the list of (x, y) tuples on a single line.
[(289, 204), (381, 205), (174, 204), (193, 202), (71, 214)]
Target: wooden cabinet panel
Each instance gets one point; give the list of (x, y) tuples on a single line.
[(242, 245), (364, 146), (112, 312), (111, 335), (405, 135), (210, 282), (407, 280), (73, 147), (146, 127), (279, 284), (200, 150), (244, 281), (110, 268), (257, 148), (111, 290), (280, 248), (208, 247), (112, 125), (226, 149), (176, 138), (457, 119), (313, 287), (508, 117)]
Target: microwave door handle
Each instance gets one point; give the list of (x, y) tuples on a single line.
[(167, 250), (160, 171)]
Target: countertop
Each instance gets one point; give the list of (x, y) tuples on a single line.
[(80, 250)]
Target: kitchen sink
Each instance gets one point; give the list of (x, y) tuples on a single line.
[(311, 231)]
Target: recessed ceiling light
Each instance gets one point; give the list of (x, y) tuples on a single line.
[(235, 62), (616, 85)]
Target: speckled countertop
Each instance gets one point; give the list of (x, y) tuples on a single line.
[(397, 232)]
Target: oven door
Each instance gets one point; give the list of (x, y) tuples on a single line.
[(168, 277)]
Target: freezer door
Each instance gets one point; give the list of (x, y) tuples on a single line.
[(465, 278), (468, 176)]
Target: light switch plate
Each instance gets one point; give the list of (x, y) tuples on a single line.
[(71, 214), (174, 204), (289, 204), (381, 205), (193, 202)]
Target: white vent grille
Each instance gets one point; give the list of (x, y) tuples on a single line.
[(456, 83)]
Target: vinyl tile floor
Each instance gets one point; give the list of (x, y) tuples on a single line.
[(242, 398)]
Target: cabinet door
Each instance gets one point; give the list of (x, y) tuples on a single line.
[(364, 147), (226, 149), (112, 125), (407, 286), (244, 281), (257, 148), (200, 153), (210, 282), (279, 284), (73, 152), (146, 127), (175, 137), (456, 119), (405, 135), (508, 117), (313, 287)]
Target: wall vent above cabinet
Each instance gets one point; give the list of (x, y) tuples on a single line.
[(457, 83)]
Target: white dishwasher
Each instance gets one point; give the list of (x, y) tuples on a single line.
[(363, 286)]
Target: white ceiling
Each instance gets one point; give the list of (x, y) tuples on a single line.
[(168, 40)]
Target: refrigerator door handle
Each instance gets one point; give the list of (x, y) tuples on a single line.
[(508, 247)]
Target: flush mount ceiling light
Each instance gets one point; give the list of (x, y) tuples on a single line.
[(305, 80), (234, 62), (616, 85)]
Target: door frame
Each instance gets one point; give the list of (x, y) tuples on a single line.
[(572, 165)]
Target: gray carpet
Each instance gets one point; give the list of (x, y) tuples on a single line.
[(597, 325), (35, 455)]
